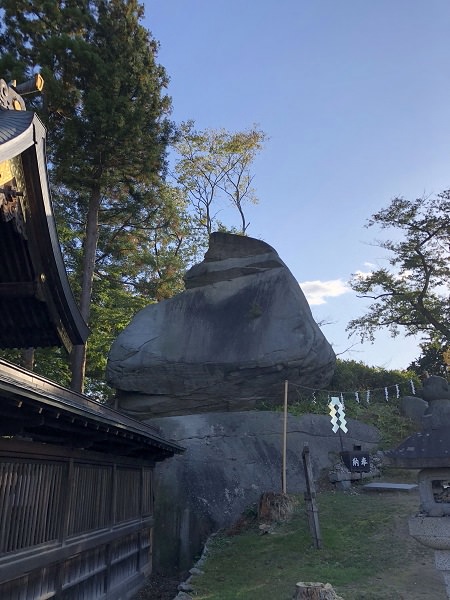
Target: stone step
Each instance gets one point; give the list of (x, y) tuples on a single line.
[(381, 486)]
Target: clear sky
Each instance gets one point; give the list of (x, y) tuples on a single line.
[(354, 96)]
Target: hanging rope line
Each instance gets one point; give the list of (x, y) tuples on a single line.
[(389, 391)]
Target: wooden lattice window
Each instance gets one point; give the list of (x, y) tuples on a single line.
[(90, 502), (147, 492), (128, 494), (30, 503)]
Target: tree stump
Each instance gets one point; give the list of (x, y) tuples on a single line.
[(275, 507), (307, 590)]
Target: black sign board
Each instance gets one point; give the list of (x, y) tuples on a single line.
[(356, 461)]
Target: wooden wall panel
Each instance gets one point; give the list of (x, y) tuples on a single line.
[(128, 494), (30, 499), (49, 506), (90, 498)]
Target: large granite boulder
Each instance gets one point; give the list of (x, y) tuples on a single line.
[(229, 341), (431, 406), (436, 391), (435, 388), (230, 460)]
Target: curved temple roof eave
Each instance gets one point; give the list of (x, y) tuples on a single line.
[(22, 133)]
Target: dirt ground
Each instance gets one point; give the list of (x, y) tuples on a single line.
[(418, 579), (159, 588)]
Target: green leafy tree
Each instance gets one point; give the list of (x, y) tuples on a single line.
[(431, 359), (411, 294), (213, 167), (106, 113), (353, 379), (352, 375)]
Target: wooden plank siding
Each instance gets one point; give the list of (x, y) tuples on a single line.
[(73, 525)]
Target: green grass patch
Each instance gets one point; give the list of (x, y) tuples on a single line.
[(360, 540)]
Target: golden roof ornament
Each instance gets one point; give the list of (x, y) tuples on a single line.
[(11, 94)]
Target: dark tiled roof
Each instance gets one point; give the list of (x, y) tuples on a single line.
[(14, 128), (35, 408)]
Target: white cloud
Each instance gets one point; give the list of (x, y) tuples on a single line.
[(316, 292)]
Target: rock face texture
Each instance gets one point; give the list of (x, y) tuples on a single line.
[(432, 408), (230, 460), (229, 341)]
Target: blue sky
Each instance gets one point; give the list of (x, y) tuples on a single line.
[(354, 96)]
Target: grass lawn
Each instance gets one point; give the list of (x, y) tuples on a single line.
[(365, 543)]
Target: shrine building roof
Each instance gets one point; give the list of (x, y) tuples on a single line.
[(36, 409), (37, 307)]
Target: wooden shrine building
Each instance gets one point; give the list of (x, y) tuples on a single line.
[(76, 499)]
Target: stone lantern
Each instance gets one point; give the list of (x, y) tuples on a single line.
[(429, 451)]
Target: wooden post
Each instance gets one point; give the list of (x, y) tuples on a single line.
[(283, 475), (307, 590), (310, 499)]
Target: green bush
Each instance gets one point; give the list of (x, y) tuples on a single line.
[(351, 382)]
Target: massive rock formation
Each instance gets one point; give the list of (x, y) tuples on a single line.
[(239, 330)]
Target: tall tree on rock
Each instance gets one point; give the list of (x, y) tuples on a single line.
[(213, 167), (107, 118)]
